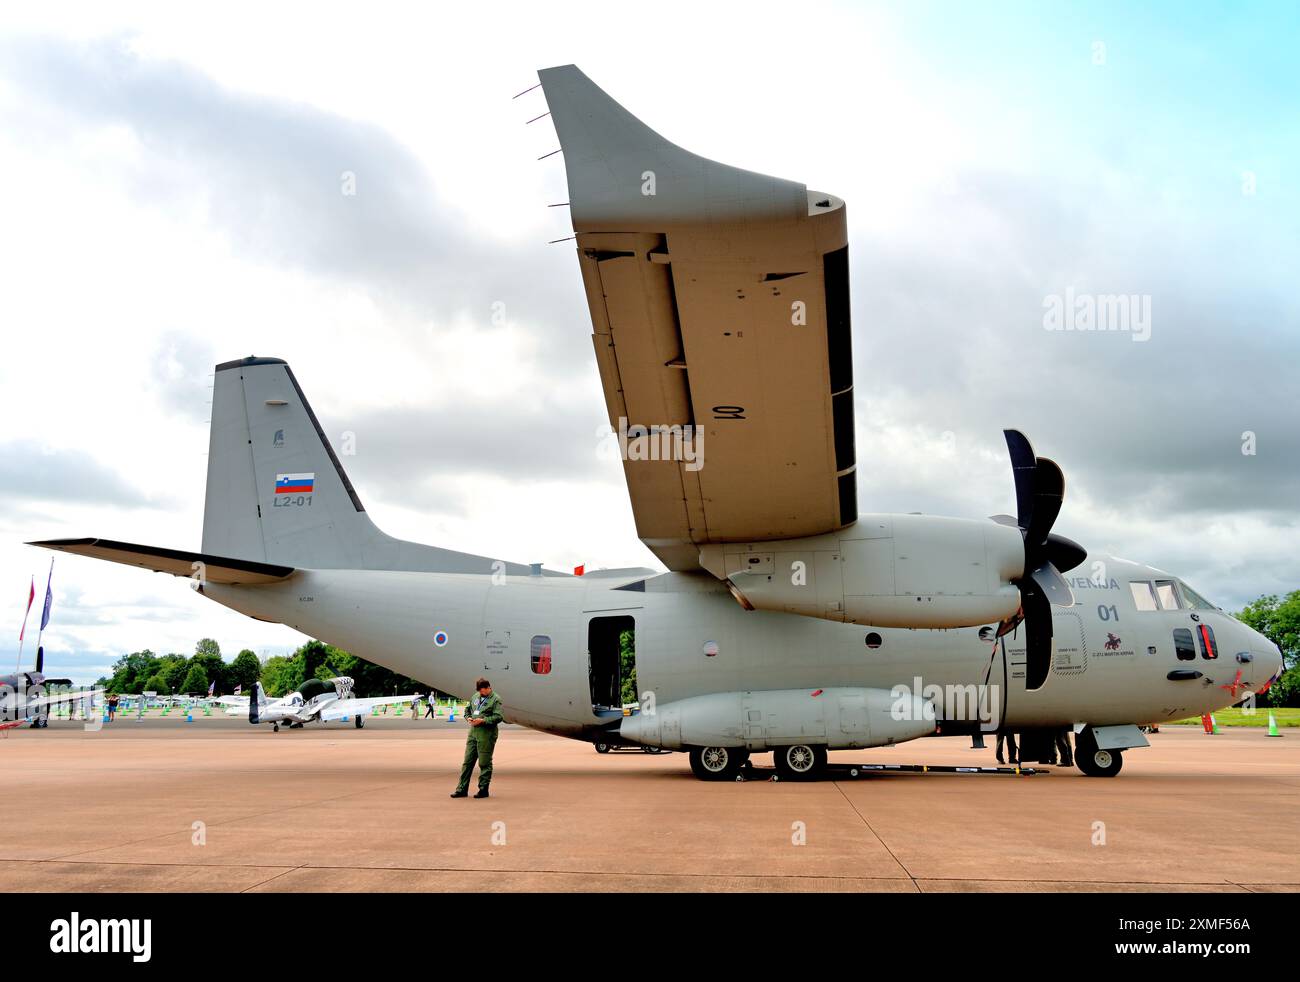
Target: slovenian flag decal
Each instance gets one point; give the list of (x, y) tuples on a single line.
[(295, 483)]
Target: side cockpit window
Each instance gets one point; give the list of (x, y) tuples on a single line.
[(1144, 597), (1184, 646), (1167, 594), (1194, 599)]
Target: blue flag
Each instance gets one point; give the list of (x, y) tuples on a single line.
[(49, 599)]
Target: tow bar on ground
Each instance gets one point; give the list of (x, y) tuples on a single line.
[(833, 772)]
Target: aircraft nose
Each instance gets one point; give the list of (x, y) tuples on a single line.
[(1269, 657)]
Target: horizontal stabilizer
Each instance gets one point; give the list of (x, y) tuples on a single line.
[(213, 569)]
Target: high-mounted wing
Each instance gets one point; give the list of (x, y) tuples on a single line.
[(719, 300)]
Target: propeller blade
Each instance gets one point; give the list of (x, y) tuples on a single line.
[(1049, 493), (1023, 466), (1038, 635), (1053, 585)]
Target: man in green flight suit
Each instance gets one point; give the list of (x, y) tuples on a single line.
[(483, 717)]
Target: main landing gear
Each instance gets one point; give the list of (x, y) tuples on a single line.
[(718, 763)]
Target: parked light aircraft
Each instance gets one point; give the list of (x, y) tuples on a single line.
[(316, 699), (27, 696), (787, 622)]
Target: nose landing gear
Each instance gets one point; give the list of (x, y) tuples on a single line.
[(1094, 761)]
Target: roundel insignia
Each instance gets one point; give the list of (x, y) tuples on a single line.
[(440, 638)]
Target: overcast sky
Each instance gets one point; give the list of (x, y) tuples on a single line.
[(173, 200)]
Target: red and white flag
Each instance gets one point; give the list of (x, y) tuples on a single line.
[(31, 595)]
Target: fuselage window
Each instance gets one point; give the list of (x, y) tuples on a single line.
[(1166, 594), (1208, 648), (539, 651), (1143, 597), (1184, 646)]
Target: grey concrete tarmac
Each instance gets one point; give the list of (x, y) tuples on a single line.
[(218, 804)]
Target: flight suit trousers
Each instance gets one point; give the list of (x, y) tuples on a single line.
[(479, 744)]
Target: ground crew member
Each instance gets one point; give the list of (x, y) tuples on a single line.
[(1063, 747), (484, 716), (428, 707), (1010, 740)]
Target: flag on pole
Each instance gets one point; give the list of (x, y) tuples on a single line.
[(49, 598), (212, 687), (31, 595), (239, 688)]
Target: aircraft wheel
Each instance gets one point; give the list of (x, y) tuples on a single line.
[(1098, 763), (603, 748), (1093, 761), (275, 727), (799, 762), (717, 763), (361, 721), (652, 750)]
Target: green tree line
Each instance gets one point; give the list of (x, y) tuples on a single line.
[(144, 671), (1278, 619)]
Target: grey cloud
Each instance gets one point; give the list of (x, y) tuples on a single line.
[(270, 175), (412, 455), (30, 471)]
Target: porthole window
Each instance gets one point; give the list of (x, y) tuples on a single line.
[(874, 640), (539, 654)]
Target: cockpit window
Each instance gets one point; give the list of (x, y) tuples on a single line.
[(1166, 594), (1143, 596), (1194, 599)]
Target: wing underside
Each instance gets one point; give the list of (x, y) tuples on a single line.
[(719, 305)]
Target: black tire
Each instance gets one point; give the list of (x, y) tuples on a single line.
[(603, 748), (275, 727), (1093, 761), (799, 762), (361, 721), (652, 750), (717, 763)]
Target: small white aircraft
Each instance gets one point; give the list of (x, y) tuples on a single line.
[(315, 699)]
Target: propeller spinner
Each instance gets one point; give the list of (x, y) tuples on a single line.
[(1040, 491)]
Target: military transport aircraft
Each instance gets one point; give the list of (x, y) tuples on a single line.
[(787, 622), (322, 700)]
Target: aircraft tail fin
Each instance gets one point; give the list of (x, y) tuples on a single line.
[(256, 700), (277, 492)]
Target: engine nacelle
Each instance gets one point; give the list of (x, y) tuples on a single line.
[(838, 719), (921, 571)]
